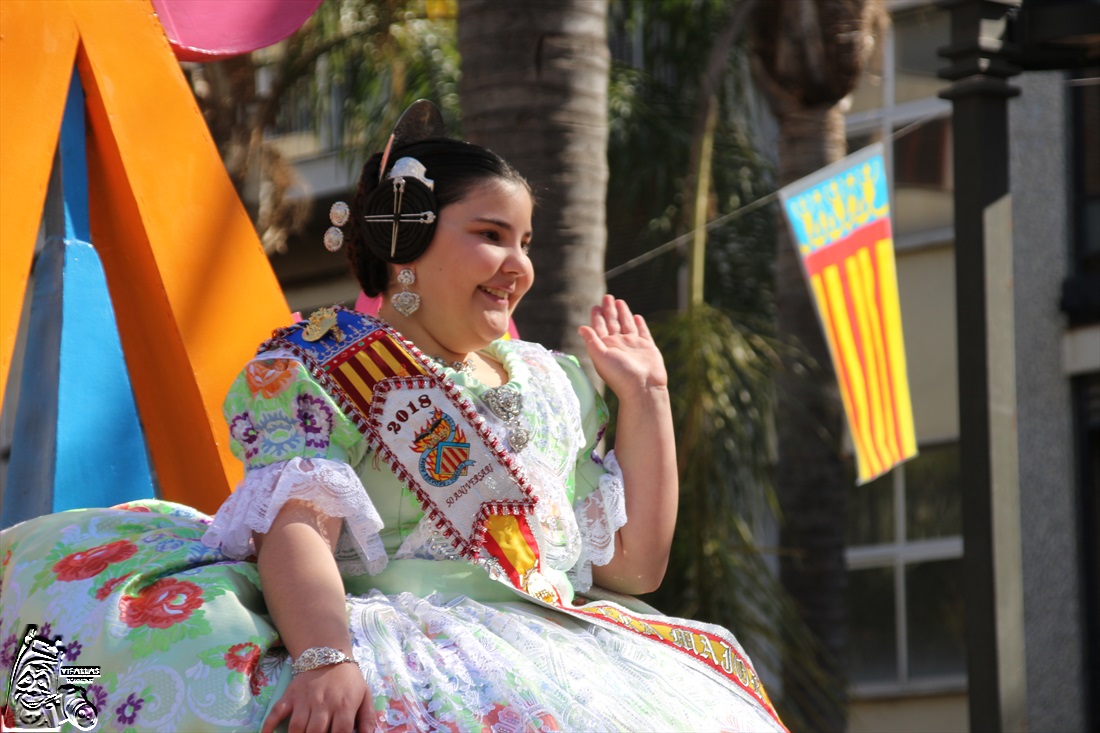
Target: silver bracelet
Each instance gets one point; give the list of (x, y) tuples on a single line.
[(316, 657)]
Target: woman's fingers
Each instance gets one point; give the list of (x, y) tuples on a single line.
[(611, 315), (366, 722), (599, 323), (626, 318), (278, 711), (299, 719)]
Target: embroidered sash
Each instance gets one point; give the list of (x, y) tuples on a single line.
[(416, 420), (474, 490)]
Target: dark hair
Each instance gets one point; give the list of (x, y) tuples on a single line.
[(455, 167)]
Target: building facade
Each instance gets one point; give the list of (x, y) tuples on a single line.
[(908, 661)]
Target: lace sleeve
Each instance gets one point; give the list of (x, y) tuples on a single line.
[(331, 486), (600, 514)]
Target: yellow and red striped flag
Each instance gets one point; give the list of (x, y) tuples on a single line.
[(840, 218)]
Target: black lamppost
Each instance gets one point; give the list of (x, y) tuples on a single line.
[(991, 41)]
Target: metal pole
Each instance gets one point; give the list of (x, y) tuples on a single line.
[(987, 405)]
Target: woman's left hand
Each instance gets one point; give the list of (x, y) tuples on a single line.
[(622, 349)]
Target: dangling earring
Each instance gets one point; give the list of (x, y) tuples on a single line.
[(406, 302)]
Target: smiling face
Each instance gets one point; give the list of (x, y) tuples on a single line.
[(473, 274)]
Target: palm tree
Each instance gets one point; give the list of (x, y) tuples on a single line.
[(534, 88), (346, 75), (808, 55)]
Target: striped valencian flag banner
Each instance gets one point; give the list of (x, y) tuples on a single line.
[(840, 218)]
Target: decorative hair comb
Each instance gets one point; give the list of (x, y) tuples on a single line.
[(422, 120)]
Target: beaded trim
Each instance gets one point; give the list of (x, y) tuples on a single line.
[(465, 366)]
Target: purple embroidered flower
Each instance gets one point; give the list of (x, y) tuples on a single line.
[(244, 432), (7, 652), (316, 419), (127, 711), (72, 650), (97, 696), (46, 631)]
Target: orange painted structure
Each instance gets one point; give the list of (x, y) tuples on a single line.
[(191, 286)]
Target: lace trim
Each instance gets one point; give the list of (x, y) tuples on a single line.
[(600, 515), (331, 486)]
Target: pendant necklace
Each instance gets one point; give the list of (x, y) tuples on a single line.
[(506, 402)]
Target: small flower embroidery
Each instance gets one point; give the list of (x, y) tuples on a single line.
[(107, 588), (164, 541), (164, 603), (242, 657), (46, 631), (97, 696), (269, 377), (280, 436), (88, 563), (72, 650), (257, 681), (316, 419), (127, 711), (244, 432), (7, 652)]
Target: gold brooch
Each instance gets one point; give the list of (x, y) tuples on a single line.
[(322, 321)]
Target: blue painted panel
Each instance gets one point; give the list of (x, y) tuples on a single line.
[(78, 438), (74, 164), (101, 453)]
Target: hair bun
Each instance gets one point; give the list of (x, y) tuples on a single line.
[(414, 219)]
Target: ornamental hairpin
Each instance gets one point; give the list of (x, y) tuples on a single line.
[(338, 214), (404, 168), (411, 189)]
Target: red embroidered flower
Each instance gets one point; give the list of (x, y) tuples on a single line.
[(87, 563), (242, 657), (163, 604), (257, 681), (269, 376), (109, 586), (135, 508)]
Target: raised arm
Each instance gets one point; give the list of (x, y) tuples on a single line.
[(305, 597), (627, 359)]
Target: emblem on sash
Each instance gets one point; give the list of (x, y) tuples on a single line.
[(446, 454)]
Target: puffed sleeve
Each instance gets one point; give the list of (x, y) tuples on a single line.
[(295, 444), (599, 498)]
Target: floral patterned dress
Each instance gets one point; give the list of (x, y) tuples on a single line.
[(167, 601)]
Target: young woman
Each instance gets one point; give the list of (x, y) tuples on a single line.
[(425, 509)]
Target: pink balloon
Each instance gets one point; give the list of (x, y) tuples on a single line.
[(370, 306), (205, 30)]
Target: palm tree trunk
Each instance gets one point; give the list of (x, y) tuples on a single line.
[(534, 89), (808, 55), (810, 479)]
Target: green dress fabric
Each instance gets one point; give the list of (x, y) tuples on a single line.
[(167, 601)]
